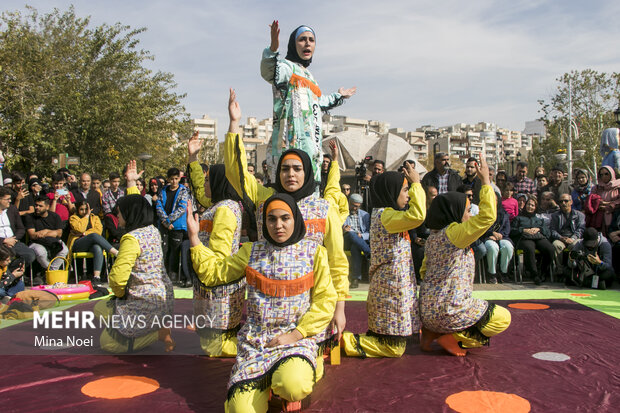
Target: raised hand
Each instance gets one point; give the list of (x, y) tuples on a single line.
[(275, 36), (234, 112), (482, 170), (347, 93), (333, 148), (193, 226), (193, 147), (410, 173), (132, 175)]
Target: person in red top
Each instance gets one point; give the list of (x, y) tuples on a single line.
[(61, 198), (510, 204)]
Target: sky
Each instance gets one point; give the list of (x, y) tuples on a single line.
[(414, 62)]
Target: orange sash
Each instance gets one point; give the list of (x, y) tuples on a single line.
[(279, 288), (299, 81)]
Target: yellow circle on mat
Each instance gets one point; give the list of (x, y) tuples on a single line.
[(581, 295), (120, 387), (528, 306), (487, 401)]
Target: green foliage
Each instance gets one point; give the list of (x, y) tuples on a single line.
[(594, 98), (67, 87)]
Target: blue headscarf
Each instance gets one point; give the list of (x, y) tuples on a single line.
[(291, 53)]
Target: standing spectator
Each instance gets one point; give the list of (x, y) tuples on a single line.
[(608, 189), (541, 183), (567, 226), (540, 170), (111, 196), (171, 210), (609, 149), (592, 259), (152, 196), (530, 234), (557, 184), (492, 178), (95, 185), (500, 179), (141, 185), (523, 184), (86, 193), (251, 168), (112, 226), (45, 229), (346, 189), (510, 205), (357, 237), (442, 177), (260, 178), (325, 165), (12, 228), (105, 187), (20, 195), (266, 172), (36, 190), (471, 179), (62, 201), (581, 189)]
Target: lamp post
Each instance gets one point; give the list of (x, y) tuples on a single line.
[(144, 157)]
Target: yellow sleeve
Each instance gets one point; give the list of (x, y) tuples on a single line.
[(423, 269), (462, 235), (398, 221), (255, 191), (96, 227), (132, 190), (224, 226), (338, 263), (321, 311), (333, 194), (78, 224), (213, 270), (128, 253), (198, 184)]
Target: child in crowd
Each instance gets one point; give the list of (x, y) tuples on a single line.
[(449, 312), (290, 299), (10, 280), (392, 304), (511, 205)]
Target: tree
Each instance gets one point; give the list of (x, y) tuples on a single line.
[(67, 87), (594, 98)]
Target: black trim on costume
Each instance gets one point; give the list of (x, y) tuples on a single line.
[(475, 332), (358, 346), (124, 340), (263, 382), (336, 103)]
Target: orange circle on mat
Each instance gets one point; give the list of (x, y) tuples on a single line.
[(487, 401), (120, 387), (528, 306), (581, 295)]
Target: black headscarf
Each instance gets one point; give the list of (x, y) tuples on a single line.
[(221, 189), (299, 232), (325, 175), (446, 209), (386, 190), (291, 53), (136, 211), (309, 184)]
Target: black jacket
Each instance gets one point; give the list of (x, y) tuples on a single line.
[(577, 224), (93, 198), (432, 179)]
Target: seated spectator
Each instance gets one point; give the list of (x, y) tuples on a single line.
[(11, 281), (557, 185), (614, 239), (510, 205), (471, 179), (469, 193), (523, 184), (591, 259), (548, 207), (20, 195), (114, 231), (492, 177), (500, 179), (441, 177), (12, 228), (62, 201), (581, 189), (567, 226), (530, 233), (357, 237), (44, 228), (113, 194), (521, 200), (86, 193), (608, 192), (496, 242), (85, 236), (36, 190)]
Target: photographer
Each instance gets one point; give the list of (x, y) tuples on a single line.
[(10, 274), (590, 259)]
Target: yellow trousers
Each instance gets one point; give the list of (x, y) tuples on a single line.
[(292, 381), (110, 344), (500, 320), (371, 345), (219, 346)]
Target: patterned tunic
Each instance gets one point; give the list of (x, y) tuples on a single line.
[(273, 310), (149, 291), (297, 110), (222, 305), (392, 304), (446, 302)]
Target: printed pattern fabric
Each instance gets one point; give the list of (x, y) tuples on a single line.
[(392, 304), (223, 304), (269, 316), (149, 292), (446, 301)]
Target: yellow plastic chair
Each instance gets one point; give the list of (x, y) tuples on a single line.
[(87, 255)]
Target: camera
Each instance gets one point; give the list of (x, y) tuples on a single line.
[(577, 255)]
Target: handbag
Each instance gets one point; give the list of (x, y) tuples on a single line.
[(55, 276)]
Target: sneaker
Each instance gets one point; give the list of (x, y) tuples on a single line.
[(492, 279), (505, 278), (354, 283), (602, 285), (95, 281)]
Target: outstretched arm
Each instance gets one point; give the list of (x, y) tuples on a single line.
[(275, 36)]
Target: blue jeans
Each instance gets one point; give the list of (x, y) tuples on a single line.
[(504, 249), (13, 289), (94, 243), (357, 245)]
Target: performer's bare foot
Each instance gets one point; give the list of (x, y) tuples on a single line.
[(165, 335), (426, 338), (449, 343)]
